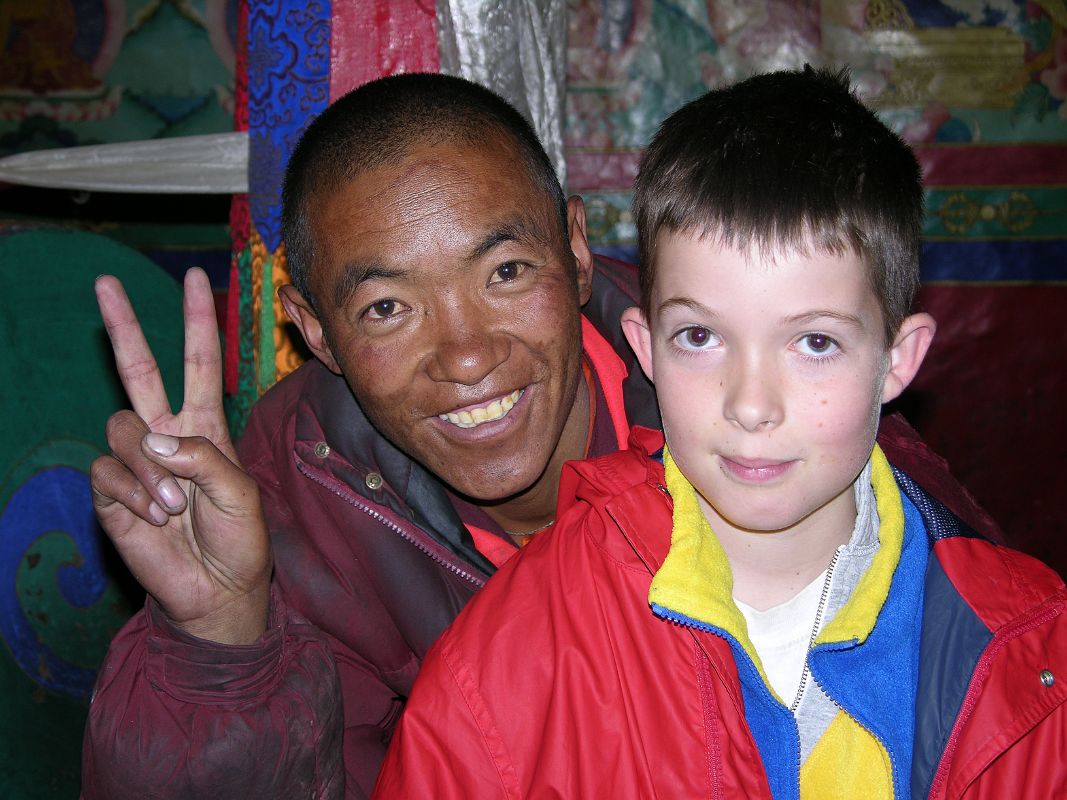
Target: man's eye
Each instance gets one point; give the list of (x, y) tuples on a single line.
[(506, 273), (381, 310), (696, 338), (817, 344)]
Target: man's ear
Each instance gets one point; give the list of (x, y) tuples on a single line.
[(635, 329), (307, 321), (907, 353), (583, 257)]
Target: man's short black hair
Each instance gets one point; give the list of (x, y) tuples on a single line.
[(788, 160), (378, 124)]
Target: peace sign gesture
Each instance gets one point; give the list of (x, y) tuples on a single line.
[(172, 496)]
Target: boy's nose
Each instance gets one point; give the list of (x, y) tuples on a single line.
[(753, 400)]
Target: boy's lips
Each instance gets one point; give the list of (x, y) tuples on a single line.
[(475, 415), (756, 470)]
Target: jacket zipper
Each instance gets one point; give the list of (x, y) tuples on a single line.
[(981, 670), (689, 622), (894, 768), (388, 523), (703, 681)]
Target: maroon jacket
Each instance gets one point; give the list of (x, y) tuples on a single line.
[(371, 564)]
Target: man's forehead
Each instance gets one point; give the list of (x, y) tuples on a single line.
[(428, 169), (459, 154)]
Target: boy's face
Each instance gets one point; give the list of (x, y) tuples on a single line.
[(770, 375)]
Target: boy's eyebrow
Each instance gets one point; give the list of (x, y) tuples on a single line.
[(356, 274), (793, 319), (825, 313), (687, 303)]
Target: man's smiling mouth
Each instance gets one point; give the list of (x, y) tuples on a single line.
[(473, 417)]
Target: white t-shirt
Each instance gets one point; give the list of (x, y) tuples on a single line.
[(781, 635)]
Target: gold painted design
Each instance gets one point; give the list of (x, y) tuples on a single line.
[(1018, 212), (959, 212), (957, 67), (888, 15)]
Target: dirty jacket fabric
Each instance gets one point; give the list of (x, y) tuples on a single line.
[(371, 564), (561, 681)]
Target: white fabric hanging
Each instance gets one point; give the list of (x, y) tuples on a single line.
[(210, 164)]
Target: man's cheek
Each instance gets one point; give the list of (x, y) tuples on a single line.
[(378, 362), (378, 380)]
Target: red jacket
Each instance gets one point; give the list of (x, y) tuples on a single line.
[(558, 680), (371, 564)]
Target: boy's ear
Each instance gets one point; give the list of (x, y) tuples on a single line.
[(907, 353), (635, 328), (307, 321), (583, 257)]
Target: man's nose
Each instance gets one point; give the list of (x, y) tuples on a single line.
[(754, 399), (466, 347)]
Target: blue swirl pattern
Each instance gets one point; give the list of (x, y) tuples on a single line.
[(288, 85)]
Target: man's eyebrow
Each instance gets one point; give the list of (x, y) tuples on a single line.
[(520, 230), (355, 275)]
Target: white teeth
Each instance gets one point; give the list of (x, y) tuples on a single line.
[(476, 416)]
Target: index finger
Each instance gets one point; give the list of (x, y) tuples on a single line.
[(136, 365), (203, 353)]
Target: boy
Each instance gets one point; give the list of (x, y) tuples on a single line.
[(836, 632)]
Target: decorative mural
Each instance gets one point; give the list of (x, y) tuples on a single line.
[(94, 71)]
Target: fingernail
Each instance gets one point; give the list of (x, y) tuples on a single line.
[(171, 494), (158, 515), (161, 443)]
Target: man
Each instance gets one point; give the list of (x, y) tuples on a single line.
[(440, 279)]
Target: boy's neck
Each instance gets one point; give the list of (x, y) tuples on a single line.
[(772, 568)]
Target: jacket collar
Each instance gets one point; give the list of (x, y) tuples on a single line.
[(368, 464), (695, 583)]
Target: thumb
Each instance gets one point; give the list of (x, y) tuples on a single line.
[(200, 461)]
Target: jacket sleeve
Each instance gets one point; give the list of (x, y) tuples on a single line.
[(174, 716), (446, 745), (325, 585)]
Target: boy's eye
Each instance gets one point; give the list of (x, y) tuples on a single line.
[(383, 309), (696, 338), (506, 273), (817, 344)]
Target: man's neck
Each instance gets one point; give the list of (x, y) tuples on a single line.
[(535, 507)]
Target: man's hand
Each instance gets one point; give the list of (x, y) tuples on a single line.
[(172, 496)]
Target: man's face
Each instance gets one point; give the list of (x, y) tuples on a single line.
[(449, 300), (770, 376)]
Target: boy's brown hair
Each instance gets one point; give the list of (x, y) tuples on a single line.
[(788, 160)]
